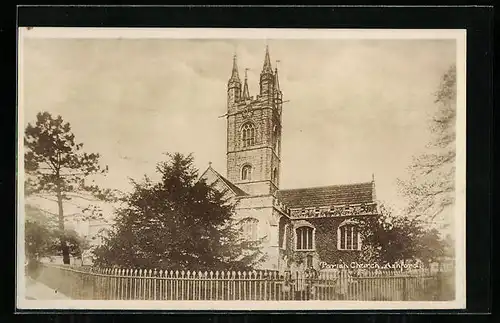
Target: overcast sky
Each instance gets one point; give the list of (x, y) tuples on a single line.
[(356, 107)]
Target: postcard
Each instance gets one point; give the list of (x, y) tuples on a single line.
[(240, 169)]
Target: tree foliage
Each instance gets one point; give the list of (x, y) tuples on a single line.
[(56, 164), (39, 240), (431, 187), (42, 240), (178, 222), (390, 238)]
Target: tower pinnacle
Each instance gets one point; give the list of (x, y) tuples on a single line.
[(276, 80), (235, 77), (234, 86), (267, 68), (267, 79), (246, 94)]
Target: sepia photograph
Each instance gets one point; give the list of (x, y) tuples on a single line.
[(274, 169)]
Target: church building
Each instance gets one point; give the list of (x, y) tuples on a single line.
[(300, 227)]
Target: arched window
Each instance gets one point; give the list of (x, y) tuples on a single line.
[(248, 134), (249, 227), (246, 173), (275, 175), (304, 238), (348, 237)]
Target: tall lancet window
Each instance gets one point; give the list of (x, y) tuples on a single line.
[(248, 134), (246, 173)]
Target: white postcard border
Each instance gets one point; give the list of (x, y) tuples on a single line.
[(459, 35)]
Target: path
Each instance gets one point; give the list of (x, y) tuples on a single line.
[(38, 291)]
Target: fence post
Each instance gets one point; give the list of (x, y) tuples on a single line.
[(340, 291), (405, 289), (439, 277)]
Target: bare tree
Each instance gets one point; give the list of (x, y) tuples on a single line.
[(431, 186)]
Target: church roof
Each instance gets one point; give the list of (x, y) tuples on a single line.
[(235, 189), (238, 191), (357, 193)]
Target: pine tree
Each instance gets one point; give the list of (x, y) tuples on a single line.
[(178, 222), (55, 165)]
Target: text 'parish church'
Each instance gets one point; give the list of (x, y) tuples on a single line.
[(301, 227)]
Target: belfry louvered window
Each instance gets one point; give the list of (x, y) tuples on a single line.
[(246, 173), (248, 134)]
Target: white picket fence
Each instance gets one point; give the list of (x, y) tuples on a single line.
[(140, 284)]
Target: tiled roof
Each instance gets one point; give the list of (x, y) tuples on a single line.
[(327, 195), (238, 191)]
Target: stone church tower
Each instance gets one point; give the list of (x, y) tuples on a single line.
[(254, 153), (254, 132), (299, 228)]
